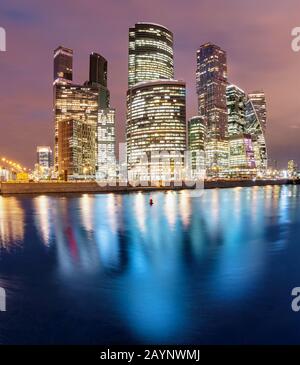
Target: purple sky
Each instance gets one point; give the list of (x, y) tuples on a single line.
[(256, 35)]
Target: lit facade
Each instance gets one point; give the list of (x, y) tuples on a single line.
[(76, 149), (236, 99), (258, 100), (254, 127), (98, 79), (211, 82), (156, 125), (44, 156), (241, 156), (150, 54), (63, 65), (197, 129), (106, 159), (78, 104)]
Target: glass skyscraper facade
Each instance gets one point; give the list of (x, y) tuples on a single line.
[(44, 156), (254, 126), (236, 99), (84, 122), (106, 159), (63, 65), (156, 125), (211, 82), (244, 121), (76, 109), (197, 129), (98, 78), (156, 112), (258, 100), (150, 55), (241, 156)]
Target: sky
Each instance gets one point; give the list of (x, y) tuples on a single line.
[(256, 34)]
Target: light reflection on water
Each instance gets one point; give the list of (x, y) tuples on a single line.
[(185, 270)]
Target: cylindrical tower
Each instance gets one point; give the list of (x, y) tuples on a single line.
[(150, 53), (156, 123)]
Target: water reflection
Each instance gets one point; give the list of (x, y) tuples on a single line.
[(43, 217), (11, 222), (160, 271)]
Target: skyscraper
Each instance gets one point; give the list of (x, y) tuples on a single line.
[(236, 99), (258, 100), (254, 127), (84, 123), (211, 82), (156, 125), (241, 156), (150, 53), (196, 143), (76, 149), (98, 78), (98, 69), (244, 121), (44, 156), (106, 159), (63, 65), (76, 116)]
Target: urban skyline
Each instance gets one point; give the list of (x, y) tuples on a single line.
[(186, 43), (156, 128), (149, 177)]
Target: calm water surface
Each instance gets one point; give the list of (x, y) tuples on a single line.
[(105, 269)]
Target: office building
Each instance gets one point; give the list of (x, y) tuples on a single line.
[(76, 149), (236, 99), (211, 82), (150, 53), (78, 104), (156, 129), (106, 158), (258, 100), (197, 129), (241, 156), (44, 156), (98, 78), (254, 127), (63, 65)]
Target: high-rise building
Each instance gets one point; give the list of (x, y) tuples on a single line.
[(106, 158), (98, 69), (76, 149), (244, 120), (236, 99), (211, 82), (63, 65), (156, 114), (78, 104), (150, 53), (258, 100), (254, 127), (241, 156), (98, 78), (196, 144), (44, 156), (84, 122)]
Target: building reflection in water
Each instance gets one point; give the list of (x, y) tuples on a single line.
[(44, 217), (11, 222), (156, 267)]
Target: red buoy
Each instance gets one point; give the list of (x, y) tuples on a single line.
[(151, 201)]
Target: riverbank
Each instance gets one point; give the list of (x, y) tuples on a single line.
[(94, 187)]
